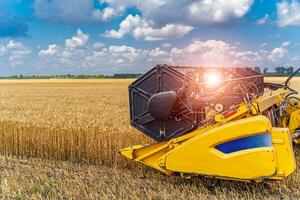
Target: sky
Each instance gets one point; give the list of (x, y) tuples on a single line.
[(48, 37)]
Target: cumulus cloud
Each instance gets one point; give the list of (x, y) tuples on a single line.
[(14, 45), (53, 49), (15, 52), (121, 58), (98, 45), (168, 19), (104, 15), (142, 29), (288, 13), (217, 11), (213, 53), (77, 41), (124, 58), (118, 58), (190, 12), (279, 52)]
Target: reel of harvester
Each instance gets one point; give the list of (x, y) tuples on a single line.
[(219, 122)]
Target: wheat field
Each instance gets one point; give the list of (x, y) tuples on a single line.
[(59, 140)]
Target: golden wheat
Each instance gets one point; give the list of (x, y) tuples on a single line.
[(67, 120)]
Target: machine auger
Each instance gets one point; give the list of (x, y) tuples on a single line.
[(218, 122)]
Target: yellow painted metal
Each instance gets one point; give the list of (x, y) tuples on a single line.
[(195, 152), (284, 154), (199, 155), (149, 154), (294, 120)]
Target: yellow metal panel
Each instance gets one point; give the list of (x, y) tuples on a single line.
[(147, 154), (284, 152), (199, 156)]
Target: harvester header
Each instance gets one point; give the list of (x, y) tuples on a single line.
[(219, 122)]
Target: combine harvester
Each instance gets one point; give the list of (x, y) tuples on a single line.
[(219, 122)]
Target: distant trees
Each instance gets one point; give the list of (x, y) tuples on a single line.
[(289, 70), (278, 71), (71, 76), (284, 70), (126, 75)]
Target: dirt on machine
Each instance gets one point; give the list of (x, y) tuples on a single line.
[(224, 123)]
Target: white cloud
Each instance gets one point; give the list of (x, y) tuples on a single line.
[(52, 49), (217, 11), (74, 57), (279, 52), (192, 12), (118, 59), (205, 53), (161, 19), (263, 20), (124, 58), (14, 45), (15, 52), (105, 14), (162, 12), (214, 53), (248, 58), (142, 29), (77, 41), (158, 55), (126, 26), (288, 13), (97, 45)]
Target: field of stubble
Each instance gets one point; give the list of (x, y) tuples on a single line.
[(59, 140)]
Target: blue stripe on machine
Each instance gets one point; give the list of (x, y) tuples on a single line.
[(255, 141)]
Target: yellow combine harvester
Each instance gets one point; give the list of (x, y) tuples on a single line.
[(218, 122)]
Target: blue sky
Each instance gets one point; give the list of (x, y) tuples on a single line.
[(130, 36)]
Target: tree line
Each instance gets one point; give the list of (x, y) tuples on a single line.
[(278, 71), (72, 76)]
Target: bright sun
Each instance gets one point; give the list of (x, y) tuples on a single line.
[(212, 78)]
